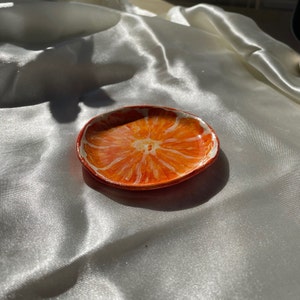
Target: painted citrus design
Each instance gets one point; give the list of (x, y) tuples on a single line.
[(146, 146)]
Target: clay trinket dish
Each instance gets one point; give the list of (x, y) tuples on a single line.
[(146, 147)]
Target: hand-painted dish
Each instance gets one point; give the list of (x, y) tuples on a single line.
[(146, 147)]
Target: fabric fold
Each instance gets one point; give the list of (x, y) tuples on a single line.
[(278, 63), (229, 233)]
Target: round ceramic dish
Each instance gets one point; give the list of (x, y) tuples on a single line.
[(146, 147)]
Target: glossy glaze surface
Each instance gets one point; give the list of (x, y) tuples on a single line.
[(146, 147)]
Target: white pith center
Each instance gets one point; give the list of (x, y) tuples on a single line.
[(146, 145)]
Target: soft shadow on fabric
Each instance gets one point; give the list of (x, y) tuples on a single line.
[(51, 285), (187, 194), (37, 24), (63, 75)]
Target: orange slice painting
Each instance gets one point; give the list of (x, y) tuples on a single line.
[(146, 147)]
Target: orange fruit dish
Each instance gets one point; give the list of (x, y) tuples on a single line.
[(146, 147)]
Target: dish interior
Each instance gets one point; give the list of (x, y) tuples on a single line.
[(146, 147)]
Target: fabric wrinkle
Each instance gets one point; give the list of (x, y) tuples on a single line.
[(230, 232), (248, 47)]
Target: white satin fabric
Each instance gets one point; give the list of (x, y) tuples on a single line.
[(232, 232)]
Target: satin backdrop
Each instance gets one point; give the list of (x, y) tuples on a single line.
[(232, 232)]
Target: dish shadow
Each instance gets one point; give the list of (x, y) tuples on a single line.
[(190, 193)]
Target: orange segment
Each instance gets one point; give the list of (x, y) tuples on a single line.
[(145, 146)]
